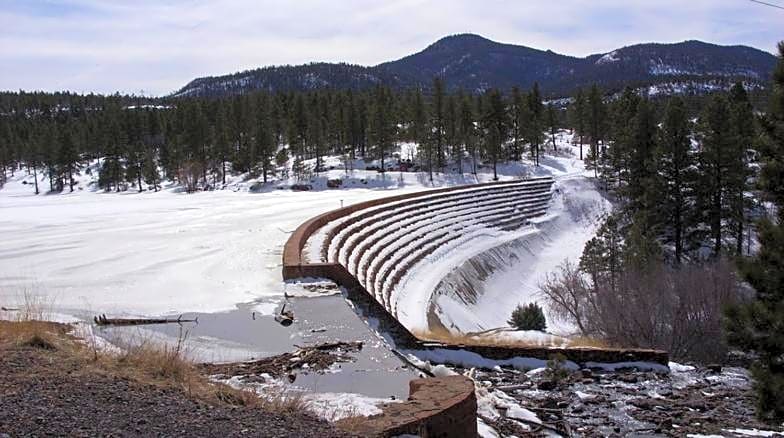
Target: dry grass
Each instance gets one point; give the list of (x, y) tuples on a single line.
[(38, 334), (352, 423), (143, 360), (583, 342), (146, 361), (486, 339)]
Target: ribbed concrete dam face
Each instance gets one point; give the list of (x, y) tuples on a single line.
[(399, 249)]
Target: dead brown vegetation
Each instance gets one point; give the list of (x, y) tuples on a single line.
[(145, 361), (678, 309)]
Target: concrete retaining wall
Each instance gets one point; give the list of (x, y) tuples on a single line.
[(443, 407)]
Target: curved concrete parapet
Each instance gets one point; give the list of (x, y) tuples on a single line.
[(438, 407), (293, 256)]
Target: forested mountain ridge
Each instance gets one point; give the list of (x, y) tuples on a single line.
[(473, 63)]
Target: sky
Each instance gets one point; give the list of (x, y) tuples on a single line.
[(154, 47)]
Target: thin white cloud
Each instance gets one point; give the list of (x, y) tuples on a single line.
[(157, 46)]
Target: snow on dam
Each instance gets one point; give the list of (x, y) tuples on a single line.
[(400, 248), (404, 253), (480, 291)]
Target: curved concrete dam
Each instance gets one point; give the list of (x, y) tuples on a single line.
[(420, 260), (400, 248)]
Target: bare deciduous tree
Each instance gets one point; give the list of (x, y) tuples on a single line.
[(678, 309), (190, 172)]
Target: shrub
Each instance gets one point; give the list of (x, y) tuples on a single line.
[(189, 174), (678, 309), (530, 317), (556, 370)]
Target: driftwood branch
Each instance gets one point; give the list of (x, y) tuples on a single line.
[(103, 320)]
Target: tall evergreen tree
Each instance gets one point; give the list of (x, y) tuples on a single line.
[(535, 130), (578, 115), (714, 162), (520, 115), (437, 113), (602, 256), (596, 114), (622, 128), (744, 132), (468, 130), (758, 326), (552, 124), (495, 120), (675, 177)]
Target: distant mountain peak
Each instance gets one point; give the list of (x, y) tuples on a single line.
[(474, 63)]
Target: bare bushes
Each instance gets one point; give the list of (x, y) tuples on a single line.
[(663, 307), (189, 175)]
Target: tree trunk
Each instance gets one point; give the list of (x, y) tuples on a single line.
[(35, 178), (139, 176), (717, 224), (678, 234), (430, 164), (739, 235)]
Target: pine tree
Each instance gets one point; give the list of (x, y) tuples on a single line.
[(552, 124), (437, 114), (468, 130), (495, 120), (743, 126), (419, 126), (450, 131), (535, 132), (220, 138), (596, 114), (602, 256), (382, 124), (578, 116), (150, 169), (264, 136), (520, 116), (530, 317), (714, 161), (639, 192), (622, 131), (758, 326), (675, 176), (68, 157)]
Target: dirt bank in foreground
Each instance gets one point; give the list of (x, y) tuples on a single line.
[(50, 387)]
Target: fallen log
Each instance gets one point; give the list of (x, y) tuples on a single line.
[(103, 320), (9, 309), (329, 346)]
